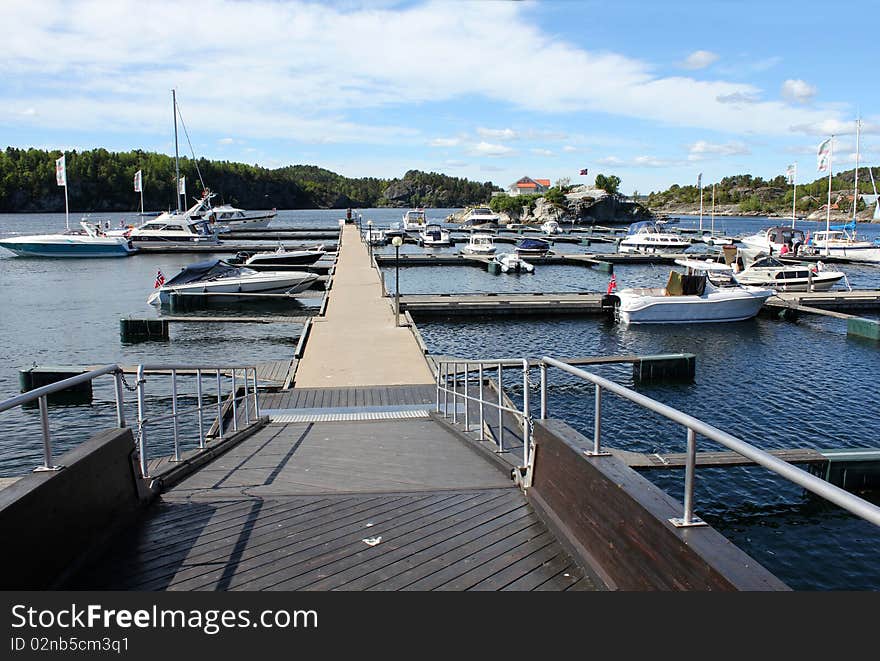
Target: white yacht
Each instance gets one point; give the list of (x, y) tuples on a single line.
[(839, 242), (690, 298), (647, 236), (233, 218), (284, 257), (480, 217), (414, 220), (434, 235), (90, 241), (551, 227), (770, 272), (479, 244), (772, 239)]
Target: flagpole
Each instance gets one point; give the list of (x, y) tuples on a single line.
[(794, 195), (701, 205), (142, 194), (66, 208), (856, 181), (176, 160), (713, 209), (828, 212)]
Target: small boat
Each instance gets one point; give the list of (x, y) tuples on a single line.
[(284, 257), (479, 244), (647, 236), (840, 241), (480, 217), (394, 229), (233, 218), (220, 277), (718, 240), (551, 227), (767, 271), (414, 220), (772, 239), (533, 247), (511, 263), (90, 241), (375, 237), (690, 298), (434, 235)]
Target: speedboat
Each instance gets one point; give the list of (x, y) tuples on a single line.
[(690, 298), (434, 235), (767, 271), (772, 239), (394, 229), (648, 236), (414, 220), (375, 237), (480, 217), (551, 227), (234, 218), (90, 241), (479, 244), (219, 277), (533, 247), (284, 257), (838, 242), (511, 263), (718, 240)]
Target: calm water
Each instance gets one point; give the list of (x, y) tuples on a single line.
[(775, 384)]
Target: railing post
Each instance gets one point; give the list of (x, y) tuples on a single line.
[(597, 422), (247, 408), (454, 392), (142, 420), (47, 438), (543, 390), (480, 377), (256, 397), (525, 421), (439, 369), (219, 406), (120, 400), (445, 389), (689, 520), (500, 410), (174, 414), (199, 403), (467, 418), (234, 405)]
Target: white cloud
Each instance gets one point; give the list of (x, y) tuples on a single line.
[(543, 152), (699, 59), (702, 150), (489, 149), (638, 162), (445, 142), (498, 134), (827, 127), (225, 141), (798, 91), (738, 97), (569, 148)]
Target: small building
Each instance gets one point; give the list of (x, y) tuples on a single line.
[(528, 186)]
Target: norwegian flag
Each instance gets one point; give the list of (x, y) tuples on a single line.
[(160, 279), (584, 172), (612, 285)]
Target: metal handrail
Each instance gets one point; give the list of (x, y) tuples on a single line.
[(42, 393), (811, 483)]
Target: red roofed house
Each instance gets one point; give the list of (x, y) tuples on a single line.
[(529, 186)]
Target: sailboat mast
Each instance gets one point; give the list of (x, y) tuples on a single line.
[(176, 158), (856, 181), (828, 212), (713, 209), (794, 195)]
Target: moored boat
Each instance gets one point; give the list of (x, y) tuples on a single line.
[(647, 236), (434, 235), (533, 247), (479, 244), (90, 241), (511, 263), (284, 257)]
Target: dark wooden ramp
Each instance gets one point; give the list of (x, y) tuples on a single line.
[(396, 504)]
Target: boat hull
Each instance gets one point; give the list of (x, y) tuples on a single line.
[(867, 253), (637, 308), (265, 283), (67, 248)]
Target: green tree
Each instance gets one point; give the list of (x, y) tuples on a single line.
[(610, 185)]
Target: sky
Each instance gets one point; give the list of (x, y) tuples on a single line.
[(653, 92)]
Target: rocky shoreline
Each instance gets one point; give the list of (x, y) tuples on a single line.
[(669, 210)]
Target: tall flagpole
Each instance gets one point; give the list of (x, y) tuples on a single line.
[(701, 204), (142, 192), (794, 195), (856, 182), (828, 213), (713, 209), (176, 161), (66, 208)]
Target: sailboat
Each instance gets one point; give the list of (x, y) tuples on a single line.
[(713, 239)]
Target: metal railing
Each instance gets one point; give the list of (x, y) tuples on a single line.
[(451, 373), (483, 368), (198, 372), (42, 394)]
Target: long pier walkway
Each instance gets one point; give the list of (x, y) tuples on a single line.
[(353, 484)]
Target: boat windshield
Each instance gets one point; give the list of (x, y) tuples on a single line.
[(210, 270), (644, 227)]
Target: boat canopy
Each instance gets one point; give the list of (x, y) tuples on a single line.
[(215, 268), (699, 265), (534, 244), (643, 227)]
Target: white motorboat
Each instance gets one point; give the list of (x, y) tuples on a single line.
[(394, 229), (511, 263), (772, 239), (284, 257), (414, 220), (480, 217), (842, 242), (434, 235), (374, 236), (233, 218), (479, 244), (219, 277), (718, 239), (647, 236), (690, 298), (171, 228), (533, 247), (767, 271), (90, 241), (551, 227)]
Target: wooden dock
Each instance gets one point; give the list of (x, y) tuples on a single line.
[(561, 303)]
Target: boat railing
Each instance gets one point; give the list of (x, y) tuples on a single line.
[(242, 394), (41, 395), (454, 380)]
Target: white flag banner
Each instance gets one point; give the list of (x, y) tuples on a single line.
[(700, 180), (823, 156), (791, 173), (138, 182), (60, 172), (181, 186)]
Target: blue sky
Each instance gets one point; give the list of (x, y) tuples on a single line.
[(654, 92)]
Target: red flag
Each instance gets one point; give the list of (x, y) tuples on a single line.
[(612, 285), (584, 172), (160, 279)]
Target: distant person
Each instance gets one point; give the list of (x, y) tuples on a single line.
[(785, 249)]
